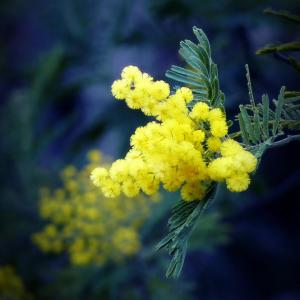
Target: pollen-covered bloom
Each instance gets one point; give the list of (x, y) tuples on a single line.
[(91, 228), (233, 166), (183, 149)]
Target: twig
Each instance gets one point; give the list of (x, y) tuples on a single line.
[(285, 141), (282, 13)]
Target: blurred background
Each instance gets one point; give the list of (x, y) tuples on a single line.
[(57, 62)]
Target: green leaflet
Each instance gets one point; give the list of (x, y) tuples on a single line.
[(248, 125), (255, 119), (278, 111), (249, 84), (243, 130), (290, 111), (265, 113), (181, 224), (203, 40), (260, 126), (200, 73)]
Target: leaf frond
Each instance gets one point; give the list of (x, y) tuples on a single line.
[(200, 73), (181, 224), (261, 124)]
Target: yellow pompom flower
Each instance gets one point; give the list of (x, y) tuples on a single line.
[(119, 170), (220, 168), (192, 190), (160, 90), (184, 148), (233, 167), (230, 147), (111, 189), (198, 136), (213, 144), (131, 74), (215, 114), (186, 94), (92, 228), (97, 175), (200, 111), (238, 182), (245, 162), (218, 128), (120, 89), (129, 188)]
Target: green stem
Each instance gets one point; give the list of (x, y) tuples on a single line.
[(285, 141), (291, 46), (283, 14)]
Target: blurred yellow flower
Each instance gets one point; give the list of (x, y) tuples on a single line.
[(11, 285), (91, 228)]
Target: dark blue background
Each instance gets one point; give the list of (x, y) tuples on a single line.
[(57, 62)]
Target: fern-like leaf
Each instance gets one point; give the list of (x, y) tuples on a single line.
[(181, 224), (260, 125), (200, 74)]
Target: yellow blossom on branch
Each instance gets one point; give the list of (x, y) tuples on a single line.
[(184, 148)]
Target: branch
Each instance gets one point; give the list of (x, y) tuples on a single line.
[(290, 94), (282, 13), (290, 60), (291, 46), (285, 141)]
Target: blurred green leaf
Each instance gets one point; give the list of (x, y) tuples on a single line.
[(271, 48), (283, 14)]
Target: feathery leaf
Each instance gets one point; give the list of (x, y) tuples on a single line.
[(181, 224), (200, 74)]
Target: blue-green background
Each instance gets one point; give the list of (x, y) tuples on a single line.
[(57, 62)]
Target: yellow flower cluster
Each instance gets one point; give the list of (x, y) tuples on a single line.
[(91, 228), (11, 285), (183, 149)]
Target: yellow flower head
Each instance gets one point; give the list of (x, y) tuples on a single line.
[(230, 148), (120, 89), (238, 182), (186, 94), (200, 111), (131, 74), (215, 114), (213, 144), (184, 149), (218, 128), (98, 175), (192, 190)]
